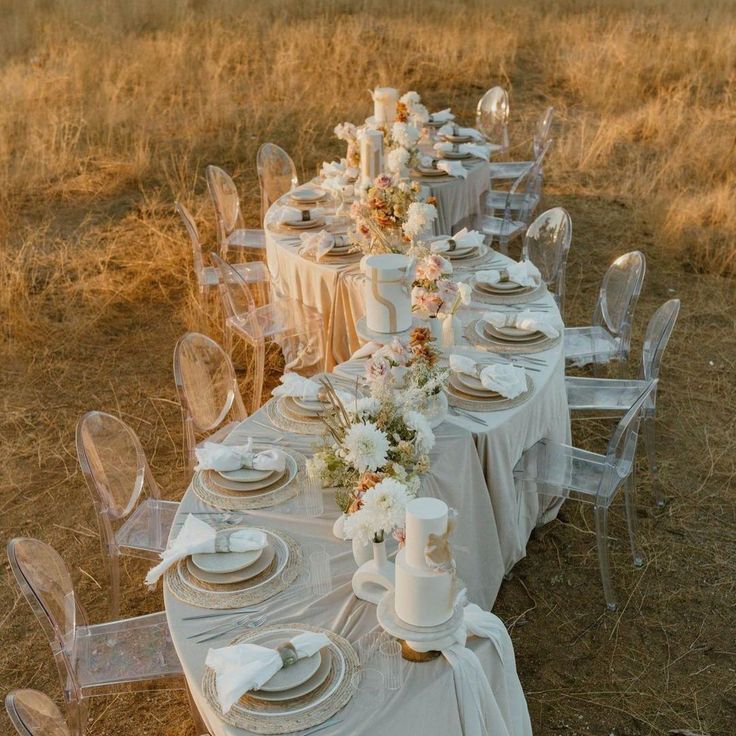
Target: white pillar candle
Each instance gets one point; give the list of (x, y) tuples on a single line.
[(384, 104), (371, 155)]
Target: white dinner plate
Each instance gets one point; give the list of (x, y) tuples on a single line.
[(460, 386), (308, 194), (221, 562), (245, 475), (264, 559), (458, 138), (501, 286), (305, 224), (502, 333), (455, 155), (298, 691)]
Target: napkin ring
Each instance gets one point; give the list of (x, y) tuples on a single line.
[(504, 275), (306, 216), (288, 655), (452, 244)]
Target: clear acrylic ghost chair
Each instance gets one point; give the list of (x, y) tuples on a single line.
[(512, 170), (208, 391), (492, 118), (276, 174), (231, 231), (128, 655), (555, 470), (546, 244), (254, 272), (297, 329), (608, 339), (35, 714), (518, 206), (615, 396), (118, 476)]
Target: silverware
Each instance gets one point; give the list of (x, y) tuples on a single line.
[(234, 612), (463, 413), (254, 624)]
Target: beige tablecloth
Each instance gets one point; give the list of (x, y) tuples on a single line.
[(336, 291)]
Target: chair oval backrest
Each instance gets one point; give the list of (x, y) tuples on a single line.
[(528, 183), (205, 380), (193, 232), (657, 336), (620, 292), (547, 242), (113, 462), (621, 451), (224, 195), (276, 174), (35, 714), (542, 133), (237, 299), (492, 116)]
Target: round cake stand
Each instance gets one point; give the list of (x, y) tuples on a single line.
[(383, 338), (418, 643)]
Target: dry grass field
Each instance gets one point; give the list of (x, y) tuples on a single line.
[(110, 111)]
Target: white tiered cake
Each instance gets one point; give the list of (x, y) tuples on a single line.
[(423, 597)]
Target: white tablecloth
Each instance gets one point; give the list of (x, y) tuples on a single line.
[(336, 291)]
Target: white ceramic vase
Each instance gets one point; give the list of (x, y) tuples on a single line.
[(373, 579), (452, 331), (362, 552), (435, 409)]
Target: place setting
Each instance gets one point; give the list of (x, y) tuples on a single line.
[(299, 404), (281, 678), (486, 385), (465, 249), (308, 196), (286, 219), (508, 284), (524, 331), (328, 248)]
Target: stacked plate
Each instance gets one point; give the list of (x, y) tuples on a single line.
[(455, 155), (431, 170), (252, 482), (471, 387), (341, 252), (508, 334), (458, 138), (310, 224), (307, 196), (304, 409), (502, 288), (460, 253), (439, 123)]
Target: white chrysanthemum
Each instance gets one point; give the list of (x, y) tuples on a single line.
[(419, 216), (405, 135), (366, 446), (413, 485), (397, 160), (419, 114), (367, 407), (346, 131), (383, 510), (465, 291), (424, 435), (410, 98)]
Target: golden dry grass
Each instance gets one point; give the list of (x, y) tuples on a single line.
[(111, 110)]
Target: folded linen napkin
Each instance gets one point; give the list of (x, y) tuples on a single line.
[(472, 148), (197, 537), (441, 116), (243, 667), (452, 168), (525, 320), (298, 387), (216, 456), (508, 380), (284, 214), (321, 243), (452, 129), (524, 273), (461, 239)]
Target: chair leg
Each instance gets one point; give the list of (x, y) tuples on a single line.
[(631, 523), (601, 533), (259, 367), (77, 716), (114, 602), (649, 431)]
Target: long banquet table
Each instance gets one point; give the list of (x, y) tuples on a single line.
[(336, 290), (472, 470)]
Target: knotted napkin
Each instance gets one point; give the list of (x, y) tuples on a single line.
[(243, 667), (504, 378), (285, 214), (472, 148), (462, 239), (524, 273), (198, 537), (451, 129), (298, 387), (216, 456), (319, 244), (441, 116), (532, 321)]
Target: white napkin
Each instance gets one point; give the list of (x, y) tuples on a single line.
[(197, 537), (339, 169), (298, 387), (243, 667), (472, 148), (524, 273), (532, 321), (463, 239), (319, 243), (453, 168), (508, 380), (450, 129), (216, 456), (284, 213), (442, 116)]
